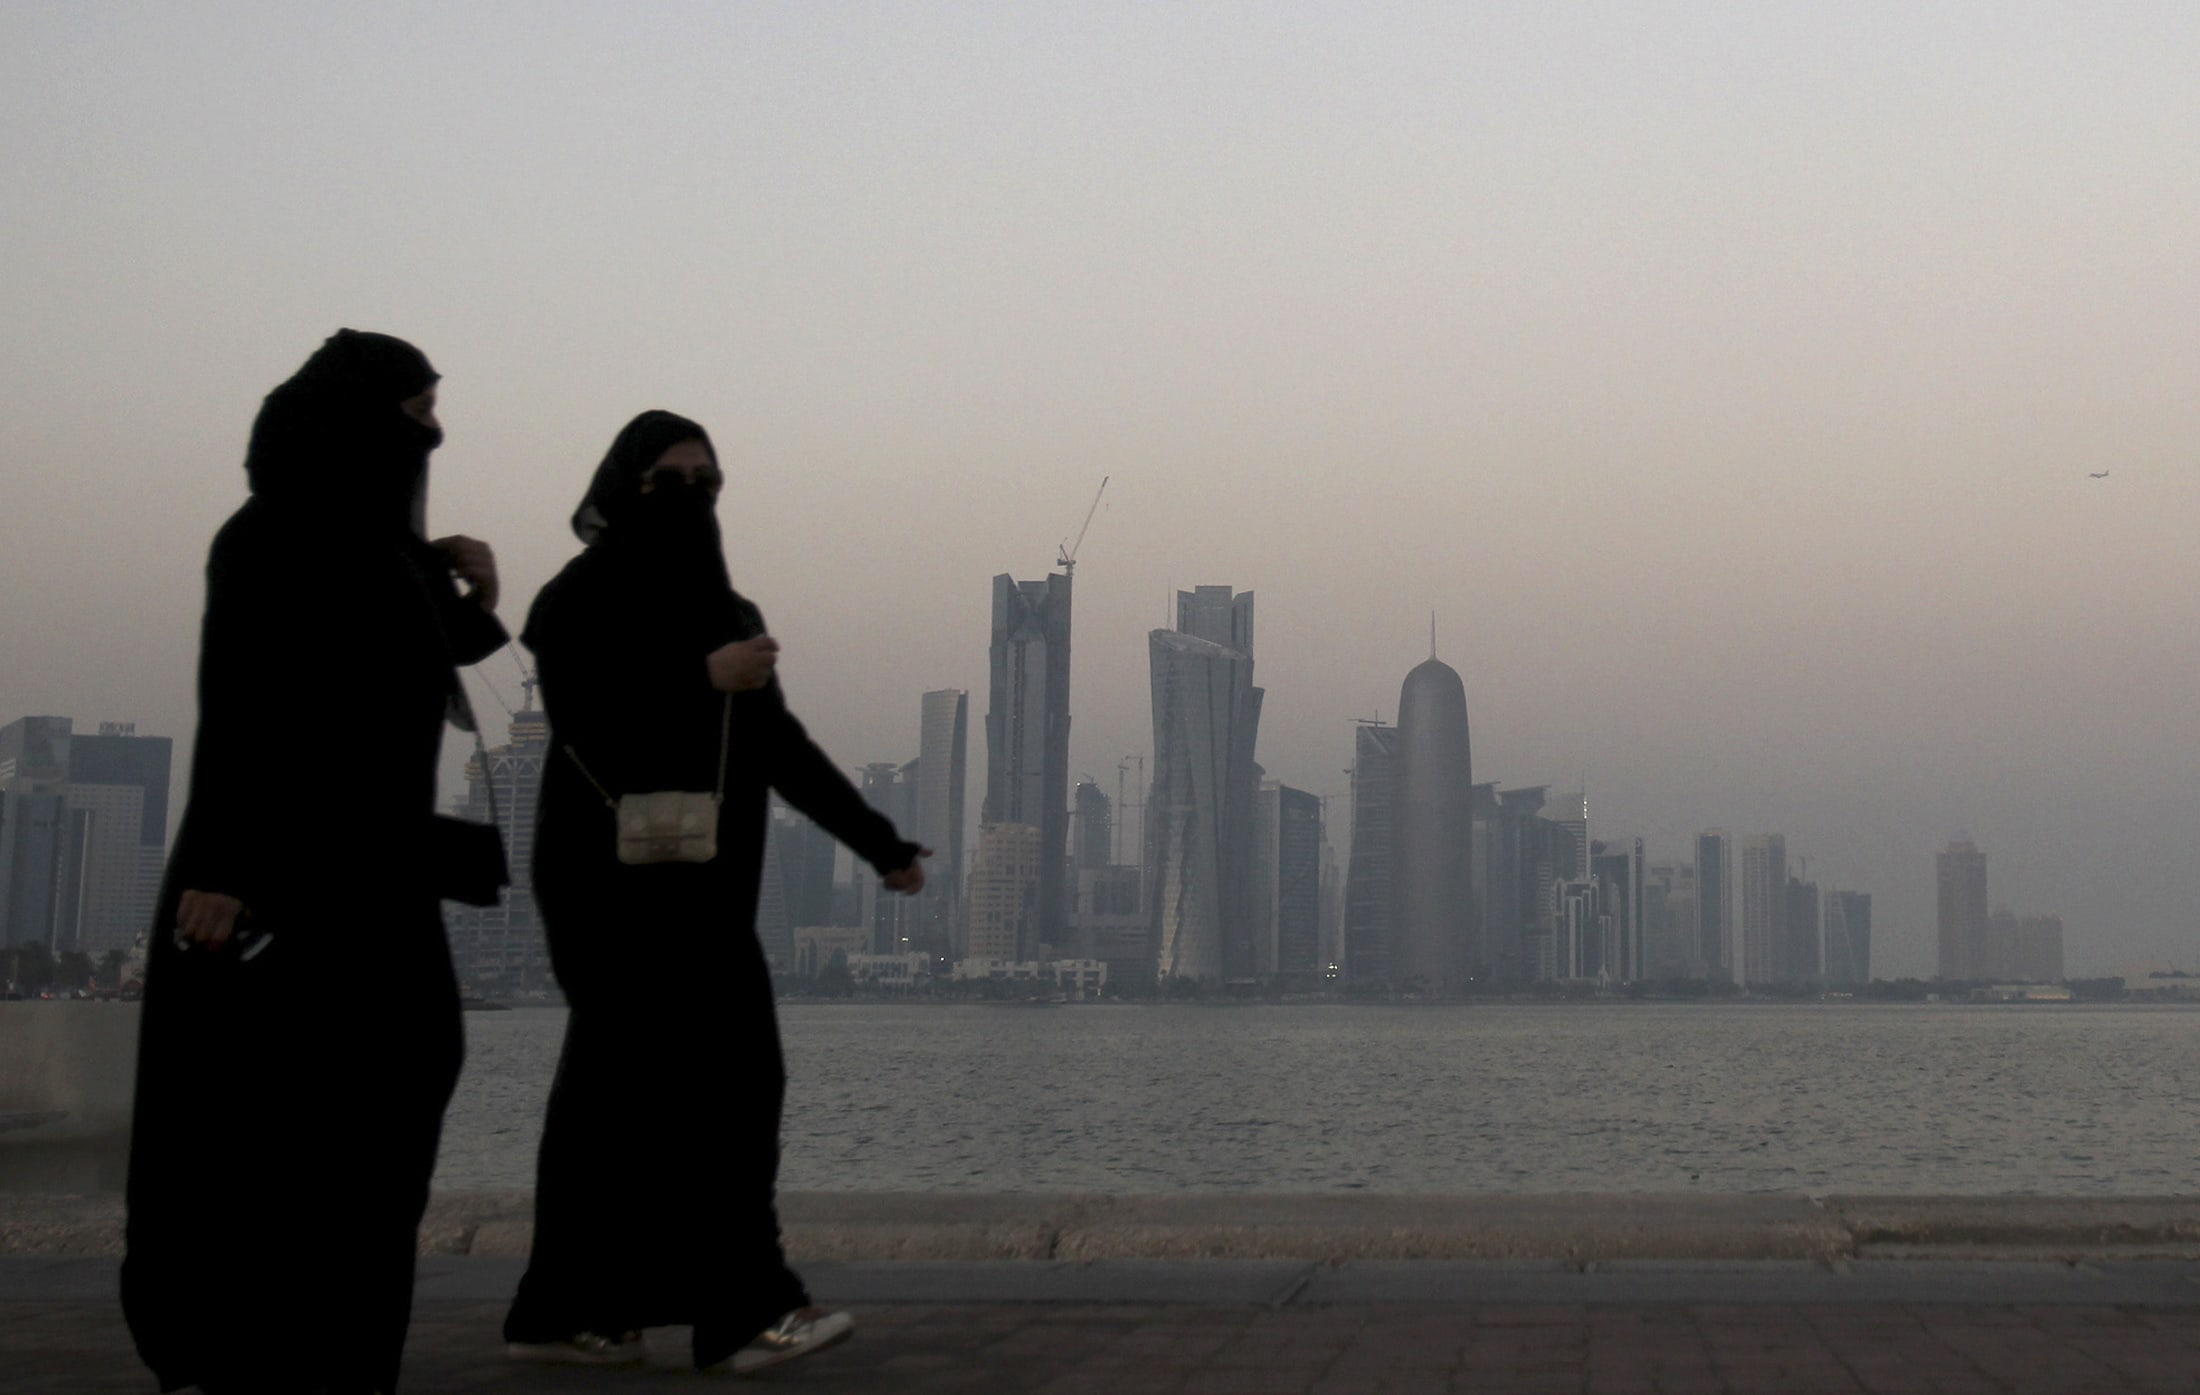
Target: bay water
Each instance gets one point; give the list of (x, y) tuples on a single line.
[(2079, 1100)]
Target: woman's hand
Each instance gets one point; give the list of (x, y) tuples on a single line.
[(207, 918), (473, 563), (744, 665), (908, 880)]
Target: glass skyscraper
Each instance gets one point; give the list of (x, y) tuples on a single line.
[(1963, 951), (942, 760), (1200, 818), (1367, 895), (83, 833), (1027, 734), (1433, 935)]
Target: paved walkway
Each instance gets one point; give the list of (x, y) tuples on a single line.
[(1279, 1328)]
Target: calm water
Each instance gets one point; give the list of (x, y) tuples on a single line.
[(2074, 1100)]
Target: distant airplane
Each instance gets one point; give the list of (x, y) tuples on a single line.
[(2097, 474)]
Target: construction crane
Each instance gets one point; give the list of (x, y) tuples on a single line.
[(1068, 554)]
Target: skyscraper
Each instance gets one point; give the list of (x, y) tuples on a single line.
[(942, 764), (1288, 866), (1433, 939), (1999, 961), (2040, 948), (1799, 963), (118, 803), (1004, 893), (1715, 905), (1579, 930), (500, 949), (797, 890), (1027, 731), (1332, 905), (1669, 922), (1764, 907), (34, 841), (83, 833), (1200, 814), (1617, 869), (1511, 875), (1848, 930), (1217, 614), (1963, 951), (891, 918), (1111, 923), (1367, 894), (1569, 842), (1092, 827)]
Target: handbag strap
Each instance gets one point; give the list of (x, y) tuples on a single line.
[(725, 740), (481, 753), (459, 705), (575, 756)]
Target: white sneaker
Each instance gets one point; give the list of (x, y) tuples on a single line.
[(799, 1333), (581, 1349)]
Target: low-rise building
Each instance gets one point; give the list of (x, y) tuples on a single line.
[(1070, 975), (2022, 993), (2162, 984), (891, 970), (816, 946)]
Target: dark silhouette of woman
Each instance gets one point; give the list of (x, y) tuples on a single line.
[(300, 1032), (654, 1204)]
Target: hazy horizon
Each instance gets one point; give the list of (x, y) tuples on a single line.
[(1726, 379)]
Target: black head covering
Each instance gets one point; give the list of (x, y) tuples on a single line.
[(332, 439), (664, 543), (614, 494)]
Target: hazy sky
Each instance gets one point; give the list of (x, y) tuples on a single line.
[(1725, 377)]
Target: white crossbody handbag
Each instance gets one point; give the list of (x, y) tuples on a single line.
[(667, 825)]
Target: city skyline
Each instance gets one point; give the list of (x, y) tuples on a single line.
[(1454, 886), (1727, 378), (1599, 910)]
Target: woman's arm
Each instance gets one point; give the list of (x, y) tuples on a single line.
[(252, 653), (470, 626)]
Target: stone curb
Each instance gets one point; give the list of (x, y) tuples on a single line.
[(2123, 1227), (846, 1227)]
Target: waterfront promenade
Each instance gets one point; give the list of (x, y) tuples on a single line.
[(1321, 1295)]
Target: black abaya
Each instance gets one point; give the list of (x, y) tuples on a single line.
[(654, 1199), (288, 1106)]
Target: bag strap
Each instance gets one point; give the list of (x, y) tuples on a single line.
[(725, 738), (725, 741), (608, 801)]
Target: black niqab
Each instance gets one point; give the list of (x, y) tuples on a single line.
[(614, 495), (333, 440), (663, 548)]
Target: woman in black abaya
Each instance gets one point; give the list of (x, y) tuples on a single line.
[(300, 1032), (654, 1201)]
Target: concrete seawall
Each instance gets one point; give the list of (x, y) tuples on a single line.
[(846, 1227)]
